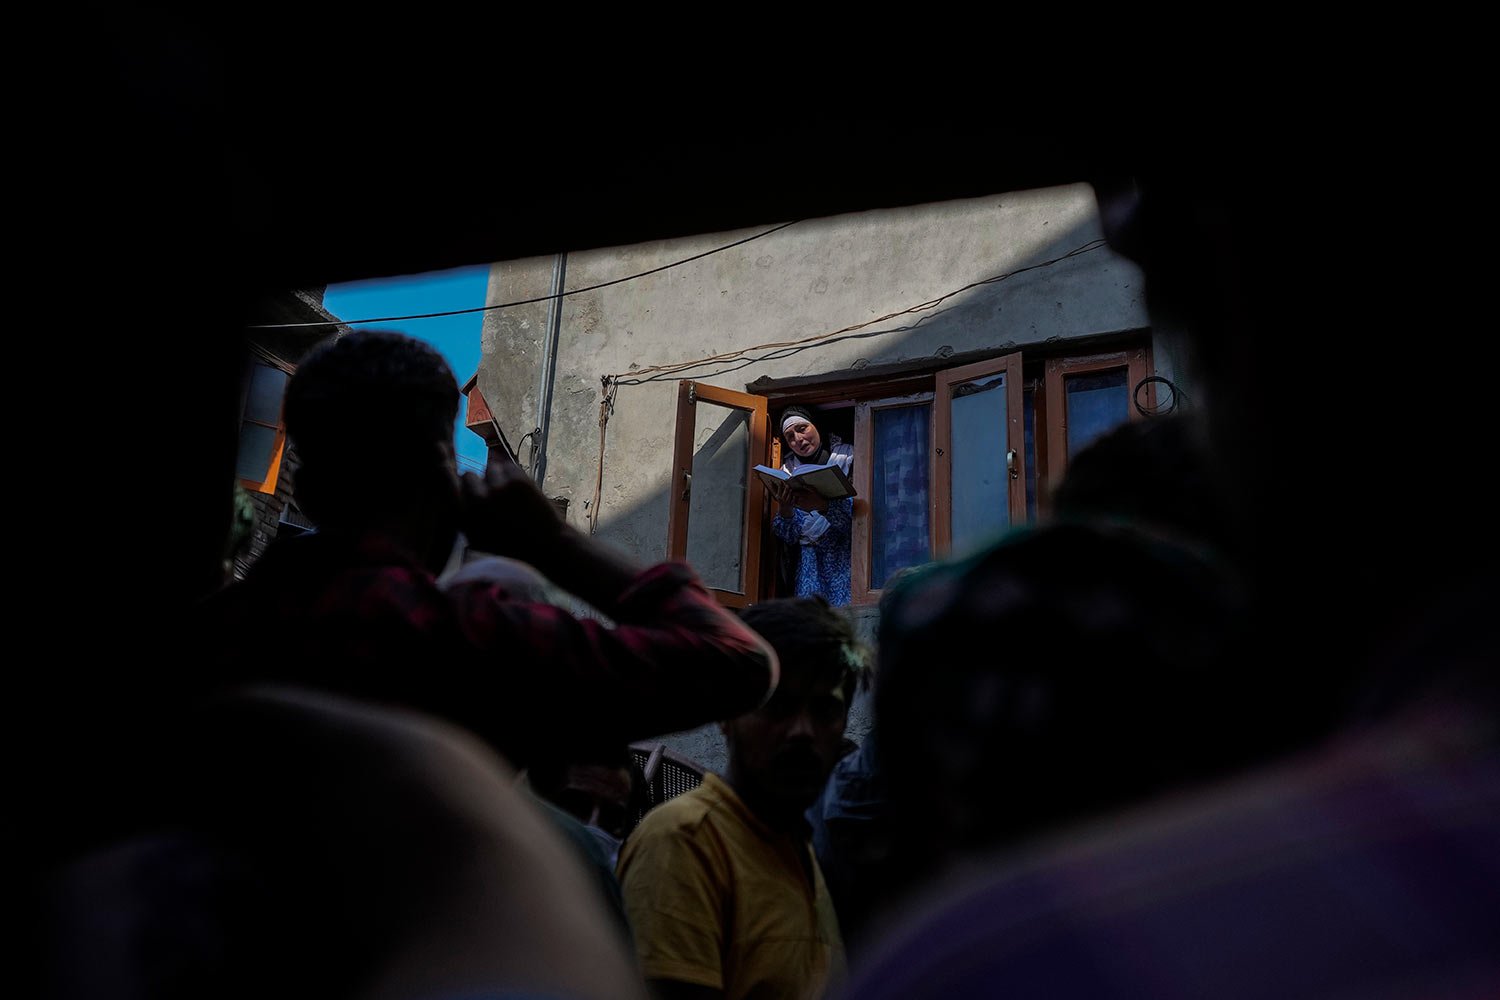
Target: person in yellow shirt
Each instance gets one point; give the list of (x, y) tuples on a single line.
[(720, 884)]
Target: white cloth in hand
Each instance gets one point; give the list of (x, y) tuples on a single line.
[(814, 525)]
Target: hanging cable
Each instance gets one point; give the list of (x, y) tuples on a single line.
[(1160, 409), (272, 358), (524, 302), (607, 391), (657, 372)]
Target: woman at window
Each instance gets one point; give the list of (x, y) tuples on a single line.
[(815, 528)]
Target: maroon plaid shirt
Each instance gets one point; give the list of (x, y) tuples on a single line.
[(369, 622)]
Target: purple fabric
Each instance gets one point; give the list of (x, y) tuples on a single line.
[(1371, 870)]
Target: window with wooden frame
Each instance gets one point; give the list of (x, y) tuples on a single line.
[(1090, 395), (262, 434), (894, 473), (717, 507), (945, 460)]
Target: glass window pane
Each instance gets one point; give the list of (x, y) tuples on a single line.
[(716, 506), (257, 447), (899, 503), (263, 405), (1096, 403), (981, 495)]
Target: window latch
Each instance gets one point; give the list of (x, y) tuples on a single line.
[(687, 489), (1010, 463)]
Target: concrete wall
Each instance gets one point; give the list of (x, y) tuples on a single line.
[(814, 277)]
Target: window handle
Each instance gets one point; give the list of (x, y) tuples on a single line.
[(687, 488), (1010, 463)]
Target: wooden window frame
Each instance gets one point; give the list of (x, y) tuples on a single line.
[(1010, 366), (273, 468), (1137, 364), (861, 555), (907, 388), (679, 489)]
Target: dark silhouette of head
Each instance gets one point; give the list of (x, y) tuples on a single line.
[(1311, 426), (1155, 472), (371, 417), (1068, 670)]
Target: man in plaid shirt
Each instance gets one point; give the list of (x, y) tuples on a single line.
[(355, 607)]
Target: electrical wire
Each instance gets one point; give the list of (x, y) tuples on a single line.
[(272, 358), (523, 302), (1160, 409), (656, 372)]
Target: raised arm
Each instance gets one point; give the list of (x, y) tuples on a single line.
[(506, 514), (672, 660)]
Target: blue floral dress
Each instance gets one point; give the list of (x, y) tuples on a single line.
[(822, 539)]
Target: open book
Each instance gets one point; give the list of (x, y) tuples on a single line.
[(828, 481)]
